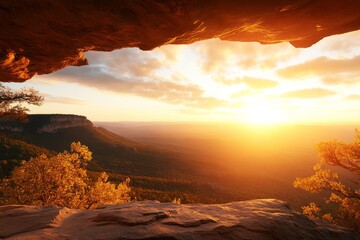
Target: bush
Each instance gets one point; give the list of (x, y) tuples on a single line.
[(62, 181), (345, 196)]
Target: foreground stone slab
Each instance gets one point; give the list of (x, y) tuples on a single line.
[(265, 219)]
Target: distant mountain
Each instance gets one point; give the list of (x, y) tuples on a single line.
[(111, 152), (155, 172), (220, 167)]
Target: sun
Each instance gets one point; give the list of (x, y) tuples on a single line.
[(258, 111)]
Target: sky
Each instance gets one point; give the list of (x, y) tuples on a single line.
[(212, 80)]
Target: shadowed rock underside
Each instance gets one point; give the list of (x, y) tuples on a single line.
[(43, 36)]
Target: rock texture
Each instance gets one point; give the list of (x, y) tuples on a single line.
[(257, 219), (42, 36), (46, 123)]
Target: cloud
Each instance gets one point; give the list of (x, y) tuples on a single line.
[(203, 74), (242, 93), (251, 82), (333, 81), (259, 83), (308, 93), (129, 61), (343, 44), (63, 100), (323, 66), (341, 80), (154, 87), (217, 55), (145, 74), (355, 97)]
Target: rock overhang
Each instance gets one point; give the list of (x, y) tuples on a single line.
[(43, 36)]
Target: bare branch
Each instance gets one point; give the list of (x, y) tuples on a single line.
[(10, 102)]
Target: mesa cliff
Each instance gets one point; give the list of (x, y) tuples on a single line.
[(265, 219), (46, 123), (43, 36)]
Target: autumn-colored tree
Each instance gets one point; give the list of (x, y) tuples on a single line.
[(11, 102), (62, 181), (346, 197)]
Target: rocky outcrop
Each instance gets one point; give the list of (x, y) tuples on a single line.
[(42, 36), (45, 123), (58, 121), (256, 219)]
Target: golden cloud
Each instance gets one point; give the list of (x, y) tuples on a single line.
[(323, 66), (308, 93)]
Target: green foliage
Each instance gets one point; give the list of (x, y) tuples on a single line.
[(14, 151), (345, 196), (61, 180)]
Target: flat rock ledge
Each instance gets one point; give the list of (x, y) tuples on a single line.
[(264, 219)]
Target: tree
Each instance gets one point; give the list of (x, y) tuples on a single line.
[(62, 181), (11, 102), (345, 196)]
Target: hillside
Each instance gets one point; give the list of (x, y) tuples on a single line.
[(156, 172), (110, 151), (197, 168), (13, 151), (255, 162)]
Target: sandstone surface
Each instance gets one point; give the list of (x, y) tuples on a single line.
[(43, 36), (264, 219)]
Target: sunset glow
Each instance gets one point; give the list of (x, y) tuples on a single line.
[(259, 111), (180, 119), (212, 80)]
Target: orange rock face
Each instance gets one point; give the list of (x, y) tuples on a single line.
[(42, 36)]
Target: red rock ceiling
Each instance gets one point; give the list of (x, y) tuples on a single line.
[(43, 36)]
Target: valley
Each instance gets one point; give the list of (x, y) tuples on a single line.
[(196, 162)]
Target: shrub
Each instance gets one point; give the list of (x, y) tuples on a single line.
[(61, 180)]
